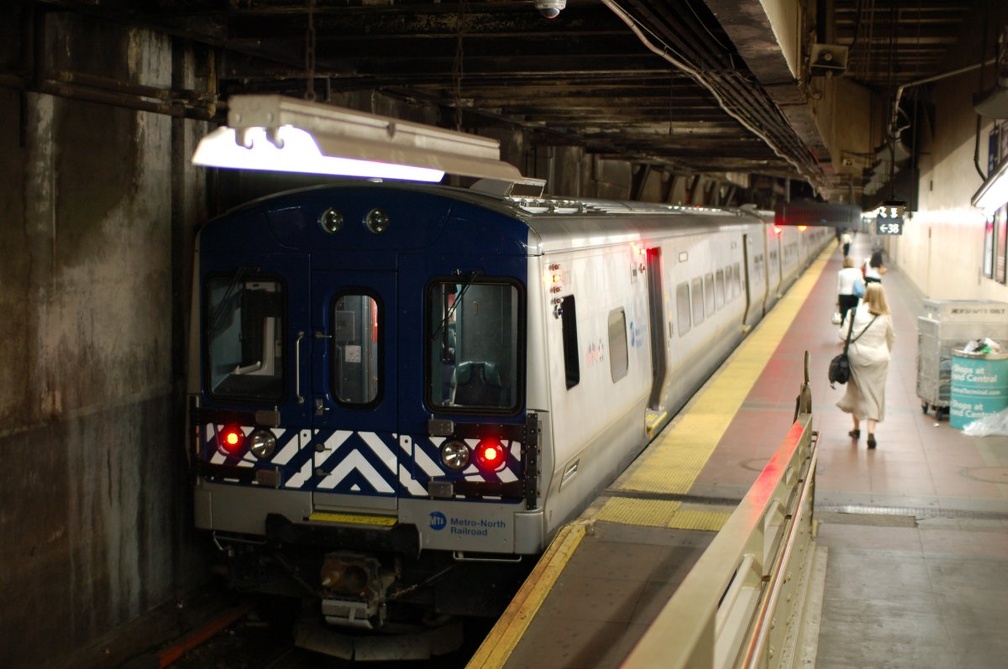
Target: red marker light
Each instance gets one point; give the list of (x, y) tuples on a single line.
[(490, 455), (231, 441)]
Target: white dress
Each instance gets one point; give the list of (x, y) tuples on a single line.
[(869, 364)]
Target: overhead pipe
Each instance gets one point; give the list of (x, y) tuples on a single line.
[(702, 80)]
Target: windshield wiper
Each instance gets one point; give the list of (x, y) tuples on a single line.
[(229, 296), (458, 300)]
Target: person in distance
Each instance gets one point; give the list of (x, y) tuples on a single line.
[(850, 287)]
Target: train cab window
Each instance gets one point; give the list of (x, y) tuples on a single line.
[(355, 346), (708, 291), (244, 339), (682, 300), (719, 289), (568, 326), (473, 331), (619, 357), (697, 300)]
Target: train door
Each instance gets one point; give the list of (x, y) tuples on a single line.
[(656, 313), (353, 391), (752, 308)]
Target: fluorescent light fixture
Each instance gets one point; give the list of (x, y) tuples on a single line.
[(277, 133), (993, 194), (290, 149)]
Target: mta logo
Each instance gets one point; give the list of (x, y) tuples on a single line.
[(438, 521)]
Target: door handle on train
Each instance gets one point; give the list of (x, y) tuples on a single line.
[(297, 367)]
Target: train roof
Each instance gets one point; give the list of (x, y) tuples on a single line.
[(546, 223)]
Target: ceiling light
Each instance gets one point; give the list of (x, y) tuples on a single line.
[(994, 193), (277, 133), (550, 8)]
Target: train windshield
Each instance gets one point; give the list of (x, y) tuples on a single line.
[(244, 339), (473, 345)]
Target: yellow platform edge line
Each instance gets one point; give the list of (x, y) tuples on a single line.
[(498, 645), (509, 629), (688, 442)]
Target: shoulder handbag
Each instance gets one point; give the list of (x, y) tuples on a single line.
[(839, 366), (859, 288)]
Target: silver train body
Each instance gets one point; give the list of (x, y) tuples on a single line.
[(399, 394)]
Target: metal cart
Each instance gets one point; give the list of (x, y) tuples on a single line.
[(948, 325)]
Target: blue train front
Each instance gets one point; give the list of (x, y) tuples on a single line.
[(360, 426)]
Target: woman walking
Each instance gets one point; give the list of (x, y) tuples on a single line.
[(849, 288), (871, 342)]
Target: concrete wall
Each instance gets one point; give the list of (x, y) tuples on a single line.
[(94, 522), (942, 246)]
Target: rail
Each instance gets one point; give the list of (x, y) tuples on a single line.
[(741, 604)]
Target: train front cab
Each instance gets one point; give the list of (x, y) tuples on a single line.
[(360, 425)]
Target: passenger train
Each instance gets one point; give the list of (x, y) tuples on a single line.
[(399, 393)]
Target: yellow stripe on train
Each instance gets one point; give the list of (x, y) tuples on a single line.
[(354, 519)]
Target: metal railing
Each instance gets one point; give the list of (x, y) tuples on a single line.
[(741, 604)]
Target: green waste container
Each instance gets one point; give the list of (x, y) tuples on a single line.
[(979, 386)]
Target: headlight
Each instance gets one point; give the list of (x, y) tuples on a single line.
[(262, 443), (455, 455)]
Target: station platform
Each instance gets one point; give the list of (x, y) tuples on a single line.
[(910, 564)]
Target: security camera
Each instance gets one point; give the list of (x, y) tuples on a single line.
[(550, 8)]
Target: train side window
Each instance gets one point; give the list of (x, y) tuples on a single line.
[(697, 300), (683, 307), (719, 289), (736, 279), (568, 327), (244, 338), (355, 347), (473, 334), (619, 357), (708, 290)]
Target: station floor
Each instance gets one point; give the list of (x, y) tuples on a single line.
[(911, 559)]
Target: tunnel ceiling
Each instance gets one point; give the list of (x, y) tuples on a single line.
[(680, 84)]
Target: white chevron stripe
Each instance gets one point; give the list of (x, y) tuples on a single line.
[(412, 486), (302, 476), (381, 449), (332, 444), (356, 461), (289, 450), (429, 467)]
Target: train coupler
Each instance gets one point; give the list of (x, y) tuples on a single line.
[(354, 589)]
